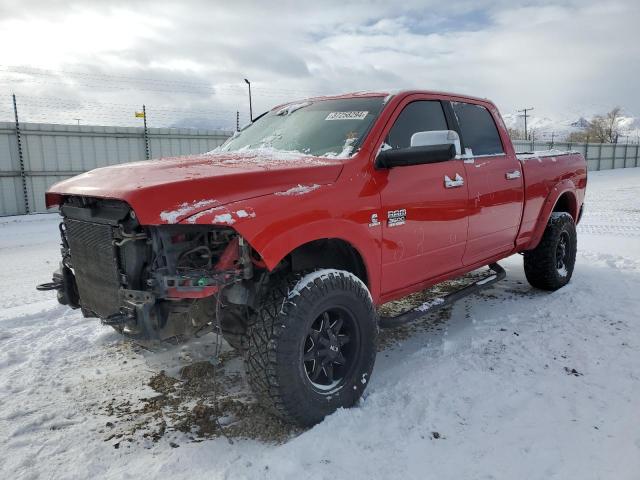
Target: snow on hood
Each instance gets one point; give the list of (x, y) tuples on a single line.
[(186, 209), (169, 190), (299, 190), (264, 157)]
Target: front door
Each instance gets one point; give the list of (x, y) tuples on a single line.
[(424, 222)]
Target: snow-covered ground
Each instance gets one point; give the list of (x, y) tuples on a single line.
[(511, 384)]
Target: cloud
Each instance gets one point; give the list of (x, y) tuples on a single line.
[(567, 58)]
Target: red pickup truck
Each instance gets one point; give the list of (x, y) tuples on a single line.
[(286, 238)]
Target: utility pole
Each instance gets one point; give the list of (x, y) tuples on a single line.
[(77, 120), (237, 121), (23, 175), (250, 108), (525, 115)]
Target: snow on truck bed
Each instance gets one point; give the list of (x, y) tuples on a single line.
[(544, 154), (511, 384)]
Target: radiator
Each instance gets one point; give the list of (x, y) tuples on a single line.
[(95, 265)]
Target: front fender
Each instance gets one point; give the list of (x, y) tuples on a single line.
[(275, 225)]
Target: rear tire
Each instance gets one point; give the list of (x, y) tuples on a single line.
[(550, 265), (313, 346)]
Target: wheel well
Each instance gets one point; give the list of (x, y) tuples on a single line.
[(566, 203), (328, 253)]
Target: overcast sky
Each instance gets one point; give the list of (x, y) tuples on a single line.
[(99, 60)]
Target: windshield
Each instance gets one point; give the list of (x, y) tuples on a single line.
[(329, 128)]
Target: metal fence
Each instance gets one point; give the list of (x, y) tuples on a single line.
[(43, 154), (600, 156)]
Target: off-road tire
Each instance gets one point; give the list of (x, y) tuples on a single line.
[(541, 265), (275, 365)]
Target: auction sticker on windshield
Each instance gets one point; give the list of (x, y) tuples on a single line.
[(346, 116)]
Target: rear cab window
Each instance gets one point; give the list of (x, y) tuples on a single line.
[(478, 129)]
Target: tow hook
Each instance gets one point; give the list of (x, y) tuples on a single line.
[(65, 283), (44, 287)]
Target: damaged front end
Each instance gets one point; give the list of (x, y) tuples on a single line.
[(148, 282)]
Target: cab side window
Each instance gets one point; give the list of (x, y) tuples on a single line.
[(420, 116), (479, 132)]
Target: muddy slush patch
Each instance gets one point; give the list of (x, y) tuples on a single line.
[(203, 400)]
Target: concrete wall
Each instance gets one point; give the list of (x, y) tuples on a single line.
[(54, 152)]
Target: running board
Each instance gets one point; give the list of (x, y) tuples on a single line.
[(430, 306)]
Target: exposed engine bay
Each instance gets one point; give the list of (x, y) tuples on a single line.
[(151, 283)]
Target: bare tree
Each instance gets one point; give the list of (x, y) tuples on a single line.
[(605, 128), (602, 128), (578, 137), (515, 134)]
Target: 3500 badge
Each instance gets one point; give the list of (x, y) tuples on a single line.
[(395, 218)]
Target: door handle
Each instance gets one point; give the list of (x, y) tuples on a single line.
[(458, 181), (512, 175)]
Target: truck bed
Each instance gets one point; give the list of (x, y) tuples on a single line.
[(544, 171)]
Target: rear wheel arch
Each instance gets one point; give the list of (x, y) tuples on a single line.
[(561, 198), (567, 203)]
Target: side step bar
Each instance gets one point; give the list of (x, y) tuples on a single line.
[(430, 306)]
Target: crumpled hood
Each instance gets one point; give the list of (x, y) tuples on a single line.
[(168, 190)]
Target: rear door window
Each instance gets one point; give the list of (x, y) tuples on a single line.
[(420, 116), (479, 132)]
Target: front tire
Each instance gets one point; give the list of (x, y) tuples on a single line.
[(313, 346), (550, 265)]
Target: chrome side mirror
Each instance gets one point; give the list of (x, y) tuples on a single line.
[(436, 137)]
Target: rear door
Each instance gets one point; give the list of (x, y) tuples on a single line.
[(494, 179), (424, 223)]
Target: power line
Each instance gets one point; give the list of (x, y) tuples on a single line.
[(129, 79), (110, 82), (60, 102)]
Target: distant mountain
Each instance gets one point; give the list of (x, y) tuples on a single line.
[(560, 128), (580, 123)]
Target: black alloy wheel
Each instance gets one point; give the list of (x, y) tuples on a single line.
[(328, 349)]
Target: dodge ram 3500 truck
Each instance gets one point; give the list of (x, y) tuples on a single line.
[(287, 237)]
